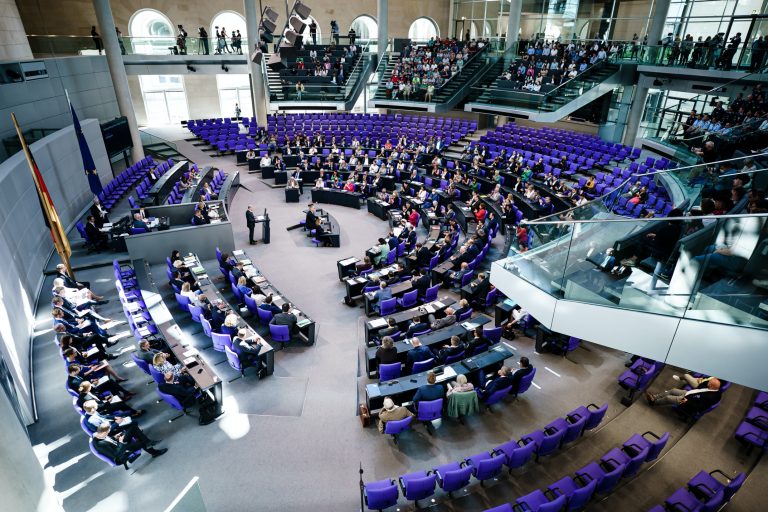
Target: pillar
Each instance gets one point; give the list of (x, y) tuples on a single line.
[(451, 21), (513, 22), (117, 72), (635, 114), (382, 14), (659, 18), (14, 44), (258, 93)]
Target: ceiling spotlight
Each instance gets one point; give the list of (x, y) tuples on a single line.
[(276, 62), (291, 37), (257, 56), (297, 24), (301, 9)]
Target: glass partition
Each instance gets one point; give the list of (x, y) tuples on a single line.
[(703, 268)]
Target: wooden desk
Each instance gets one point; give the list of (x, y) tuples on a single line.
[(176, 343), (434, 340), (212, 294), (404, 388), (372, 327), (305, 325)]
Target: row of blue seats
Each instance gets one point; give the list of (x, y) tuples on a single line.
[(703, 493), (486, 465), (753, 430), (597, 477), (124, 181)]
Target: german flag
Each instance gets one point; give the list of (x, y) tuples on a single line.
[(50, 216)]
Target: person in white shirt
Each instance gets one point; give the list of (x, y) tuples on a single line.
[(266, 161)]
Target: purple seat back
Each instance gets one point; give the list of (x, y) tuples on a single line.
[(430, 410)]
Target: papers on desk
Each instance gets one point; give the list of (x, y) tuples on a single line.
[(438, 304), (303, 322), (114, 399), (250, 272), (259, 279), (448, 373), (470, 326), (429, 308), (125, 420), (215, 221), (188, 361), (376, 323), (132, 307), (197, 269), (112, 324), (91, 352), (102, 381), (295, 311), (143, 331), (190, 260), (238, 253), (275, 297), (245, 261), (191, 352), (119, 336), (348, 261)]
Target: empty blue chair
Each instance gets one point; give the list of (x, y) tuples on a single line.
[(707, 485), (380, 495), (607, 477), (537, 501), (485, 466), (173, 402), (422, 366), (265, 316), (234, 361), (418, 486), (632, 461), (453, 476), (638, 443), (220, 341), (493, 334), (387, 307), (591, 412), (517, 456), (431, 294), (409, 300), (389, 371), (196, 312), (429, 411), (183, 302), (280, 333), (546, 442), (577, 497)]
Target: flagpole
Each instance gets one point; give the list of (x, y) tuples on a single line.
[(60, 242)]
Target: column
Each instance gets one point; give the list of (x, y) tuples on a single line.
[(451, 21), (259, 97), (635, 114), (382, 14), (659, 18), (513, 22), (117, 72), (13, 38)]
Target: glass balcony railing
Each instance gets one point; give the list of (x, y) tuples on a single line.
[(46, 46), (705, 268)]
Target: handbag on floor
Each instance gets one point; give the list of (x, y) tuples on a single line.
[(365, 415)]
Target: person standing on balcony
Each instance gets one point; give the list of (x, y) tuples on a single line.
[(299, 90), (313, 32), (202, 41), (120, 40), (181, 40), (96, 39), (335, 31)]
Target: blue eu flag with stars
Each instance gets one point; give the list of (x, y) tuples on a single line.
[(88, 165)]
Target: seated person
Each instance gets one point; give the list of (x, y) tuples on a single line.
[(416, 326), (516, 316), (421, 281), (480, 287), (383, 248), (429, 391), (138, 222), (463, 308), (321, 234), (386, 353), (689, 402), (390, 329), (285, 317), (449, 319), (248, 350), (119, 446), (93, 367), (453, 277), (162, 365), (382, 294), (95, 236), (186, 291), (391, 412), (75, 379), (502, 380), (267, 305), (146, 353), (460, 386), (478, 340), (417, 353), (199, 220), (524, 368), (454, 349), (231, 324), (364, 265), (184, 393), (111, 404)]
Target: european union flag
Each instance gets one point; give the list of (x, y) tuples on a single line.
[(88, 165)]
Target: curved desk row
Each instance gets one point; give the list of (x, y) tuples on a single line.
[(163, 186), (337, 197)]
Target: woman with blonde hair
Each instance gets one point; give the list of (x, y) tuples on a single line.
[(461, 386)]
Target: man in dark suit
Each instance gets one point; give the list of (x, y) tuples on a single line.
[(478, 340), (501, 381), (96, 237), (480, 287), (392, 241), (390, 329), (268, 306), (186, 395), (74, 380), (429, 391), (455, 348), (198, 219), (119, 447), (525, 368), (416, 325), (311, 219), (218, 315), (248, 350), (62, 273), (237, 270), (250, 221), (421, 281), (138, 222), (285, 317), (99, 213), (689, 402), (417, 353), (423, 255), (410, 239)]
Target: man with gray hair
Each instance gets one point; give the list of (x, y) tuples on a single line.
[(391, 412)]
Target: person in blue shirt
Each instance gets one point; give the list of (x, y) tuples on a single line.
[(268, 306), (382, 294), (429, 391), (417, 353)]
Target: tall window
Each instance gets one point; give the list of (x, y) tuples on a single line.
[(231, 21), (151, 32), (365, 27), (234, 90), (164, 98), (423, 29)]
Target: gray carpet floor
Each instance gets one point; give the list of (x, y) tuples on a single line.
[(293, 441)]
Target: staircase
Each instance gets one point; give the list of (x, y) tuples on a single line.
[(546, 107)]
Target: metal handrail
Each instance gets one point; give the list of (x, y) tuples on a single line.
[(652, 219), (461, 72)]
